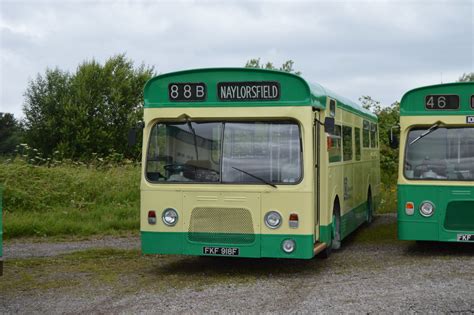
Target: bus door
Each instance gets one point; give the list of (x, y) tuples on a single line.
[(316, 160)]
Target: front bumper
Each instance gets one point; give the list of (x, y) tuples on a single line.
[(264, 245)]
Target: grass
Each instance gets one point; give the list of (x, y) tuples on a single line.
[(73, 199), (388, 198), (69, 199), (376, 234)]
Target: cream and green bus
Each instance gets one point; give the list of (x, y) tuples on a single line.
[(436, 170), (253, 163)]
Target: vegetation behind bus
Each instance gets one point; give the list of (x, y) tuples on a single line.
[(47, 194), (64, 197)]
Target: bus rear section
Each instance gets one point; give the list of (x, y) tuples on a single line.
[(436, 173)]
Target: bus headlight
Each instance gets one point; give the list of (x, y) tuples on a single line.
[(427, 208), (170, 216), (272, 219), (288, 246)]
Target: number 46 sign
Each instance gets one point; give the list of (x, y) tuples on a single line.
[(442, 102)]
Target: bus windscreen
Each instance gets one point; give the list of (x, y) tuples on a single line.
[(225, 152), (444, 154)]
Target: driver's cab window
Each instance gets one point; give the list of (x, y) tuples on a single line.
[(182, 152), (443, 154)]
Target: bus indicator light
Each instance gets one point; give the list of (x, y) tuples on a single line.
[(151, 217), (470, 119), (409, 208), (293, 220)]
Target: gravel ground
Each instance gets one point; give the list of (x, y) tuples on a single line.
[(396, 277), (21, 249)]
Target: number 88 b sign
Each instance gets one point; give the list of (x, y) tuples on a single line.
[(187, 92)]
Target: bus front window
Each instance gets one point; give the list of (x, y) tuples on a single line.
[(444, 154), (252, 153), (184, 152), (267, 150)]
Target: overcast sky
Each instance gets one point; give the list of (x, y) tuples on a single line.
[(376, 48)]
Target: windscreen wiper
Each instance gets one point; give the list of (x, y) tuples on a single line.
[(190, 126), (427, 132), (256, 177)]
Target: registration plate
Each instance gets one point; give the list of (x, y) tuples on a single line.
[(220, 251), (465, 237)]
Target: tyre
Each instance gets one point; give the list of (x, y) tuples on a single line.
[(370, 208), (336, 228)]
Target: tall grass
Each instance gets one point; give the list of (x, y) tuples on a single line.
[(43, 198), (388, 191)]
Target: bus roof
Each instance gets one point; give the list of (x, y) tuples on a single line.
[(293, 90), (414, 102)]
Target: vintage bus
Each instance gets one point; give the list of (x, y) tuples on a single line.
[(253, 163), (436, 170)]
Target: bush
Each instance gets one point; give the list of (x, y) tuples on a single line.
[(56, 197)]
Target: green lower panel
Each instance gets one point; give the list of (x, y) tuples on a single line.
[(265, 245), (453, 214), (421, 231)]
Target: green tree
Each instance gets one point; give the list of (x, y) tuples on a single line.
[(388, 116), (87, 112), (466, 77), (45, 100), (287, 66), (10, 133)]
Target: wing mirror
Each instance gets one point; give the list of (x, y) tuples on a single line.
[(393, 139), (329, 124), (132, 133)]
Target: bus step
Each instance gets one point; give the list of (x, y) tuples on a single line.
[(319, 247)]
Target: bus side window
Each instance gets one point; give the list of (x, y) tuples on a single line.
[(347, 143), (373, 135), (366, 134), (332, 108), (357, 143), (334, 145)]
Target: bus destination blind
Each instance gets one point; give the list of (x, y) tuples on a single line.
[(442, 102), (248, 91)]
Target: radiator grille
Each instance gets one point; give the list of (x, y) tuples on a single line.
[(460, 216), (221, 226)]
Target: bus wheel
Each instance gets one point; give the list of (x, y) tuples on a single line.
[(335, 242), (336, 231), (370, 208)]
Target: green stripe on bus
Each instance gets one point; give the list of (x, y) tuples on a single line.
[(265, 245)]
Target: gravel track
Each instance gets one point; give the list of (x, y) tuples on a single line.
[(400, 277), (26, 249)]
